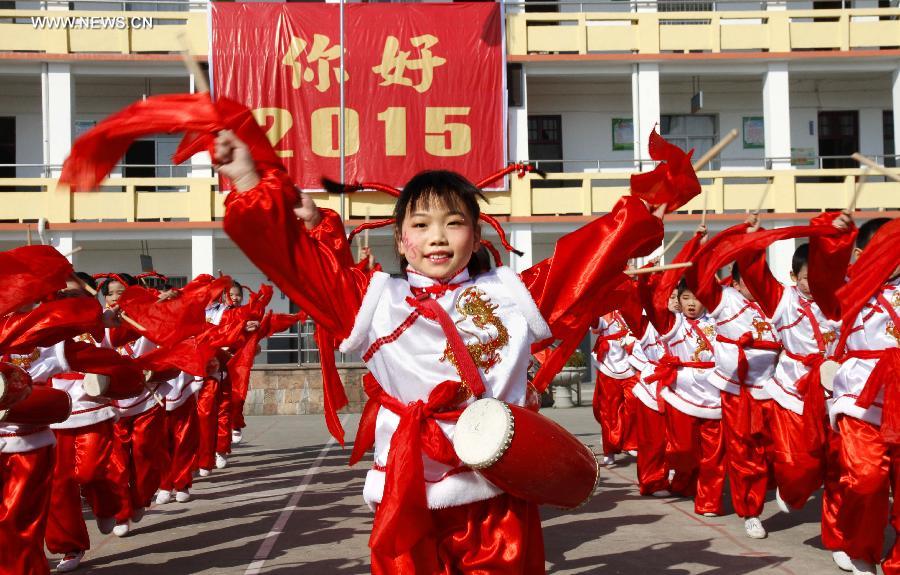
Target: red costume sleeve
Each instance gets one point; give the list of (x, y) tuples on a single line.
[(576, 284), (313, 268), (829, 262), (49, 324), (758, 278), (30, 274)]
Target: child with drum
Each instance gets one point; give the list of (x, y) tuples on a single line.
[(434, 338)]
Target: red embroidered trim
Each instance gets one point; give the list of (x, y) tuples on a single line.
[(673, 389), (452, 472), (786, 390), (99, 407), (376, 345)]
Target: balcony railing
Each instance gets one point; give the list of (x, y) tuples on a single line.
[(583, 193), (94, 27), (717, 31)]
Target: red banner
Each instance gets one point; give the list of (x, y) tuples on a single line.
[(423, 85)]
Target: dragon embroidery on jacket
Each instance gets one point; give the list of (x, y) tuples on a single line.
[(474, 304), (762, 327), (891, 328), (703, 342)]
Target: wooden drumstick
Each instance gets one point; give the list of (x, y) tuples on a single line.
[(93, 292), (67, 255), (880, 169), (762, 200), (670, 244), (654, 269), (706, 158), (28, 234), (193, 68), (859, 187), (366, 232)]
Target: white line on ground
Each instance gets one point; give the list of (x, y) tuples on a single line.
[(271, 538)]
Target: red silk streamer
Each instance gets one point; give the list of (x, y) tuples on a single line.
[(884, 376), (403, 515), (30, 274), (810, 385), (49, 324), (96, 153), (829, 261), (747, 341), (170, 321), (333, 388), (673, 182), (871, 271)]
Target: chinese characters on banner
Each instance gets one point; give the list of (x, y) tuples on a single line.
[(423, 85)]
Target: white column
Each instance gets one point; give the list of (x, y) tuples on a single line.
[(64, 242), (645, 106), (777, 115), (203, 260), (520, 236), (517, 127), (780, 254), (58, 97), (895, 100)]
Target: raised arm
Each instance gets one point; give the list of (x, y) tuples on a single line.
[(301, 248), (654, 289), (829, 261), (757, 276)]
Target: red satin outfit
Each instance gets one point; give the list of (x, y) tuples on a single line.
[(652, 440), (82, 458), (208, 422), (140, 458), (182, 440), (314, 269), (25, 488), (223, 415), (468, 540), (614, 403)]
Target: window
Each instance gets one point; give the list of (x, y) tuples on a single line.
[(545, 141), (699, 132), (890, 160), (7, 147)]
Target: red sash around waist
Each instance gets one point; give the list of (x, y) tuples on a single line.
[(744, 342), (885, 372), (666, 372), (810, 385)]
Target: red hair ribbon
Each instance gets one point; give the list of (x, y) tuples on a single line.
[(151, 274), (111, 277)]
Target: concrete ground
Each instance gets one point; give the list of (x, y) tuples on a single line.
[(288, 503)]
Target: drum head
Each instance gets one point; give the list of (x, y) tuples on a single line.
[(483, 433), (827, 371)]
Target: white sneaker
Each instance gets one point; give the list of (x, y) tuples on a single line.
[(70, 562), (221, 461), (204, 472), (782, 505), (138, 514), (106, 525), (122, 529), (236, 436), (842, 560), (861, 567), (164, 496), (662, 493), (754, 528), (632, 452), (182, 496), (710, 514), (608, 460)]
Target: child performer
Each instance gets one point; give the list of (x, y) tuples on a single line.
[(613, 400), (182, 438), (862, 387), (746, 350), (405, 329), (140, 454)]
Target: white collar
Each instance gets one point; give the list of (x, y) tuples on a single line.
[(419, 280)]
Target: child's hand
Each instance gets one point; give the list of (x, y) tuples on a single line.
[(702, 230), (753, 223), (843, 221), (306, 210), (233, 160)]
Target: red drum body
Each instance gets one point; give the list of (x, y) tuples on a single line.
[(526, 454), (43, 406), (15, 385)]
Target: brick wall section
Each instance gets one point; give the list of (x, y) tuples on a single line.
[(296, 390)]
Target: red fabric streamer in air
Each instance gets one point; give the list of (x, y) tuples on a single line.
[(49, 324), (673, 182), (30, 274)]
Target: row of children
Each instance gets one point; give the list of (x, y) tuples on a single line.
[(121, 413), (774, 386)]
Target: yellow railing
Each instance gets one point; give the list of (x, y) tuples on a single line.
[(198, 200), (672, 32), (100, 32)]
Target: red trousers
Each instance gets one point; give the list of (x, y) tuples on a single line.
[(614, 407), (870, 470), (499, 535), (82, 468), (799, 453), (182, 440), (208, 412), (223, 437), (25, 489), (697, 454), (652, 468), (237, 411), (832, 538), (140, 458), (745, 425)]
